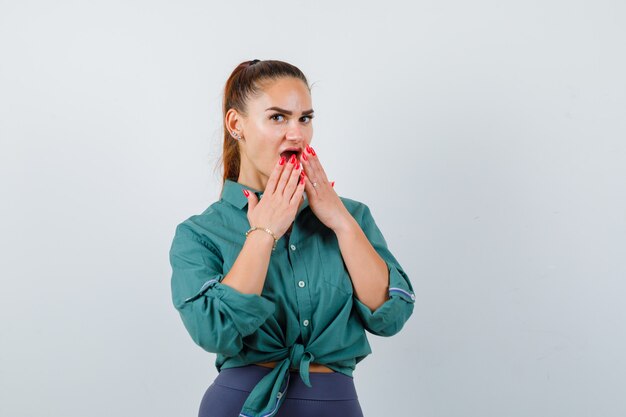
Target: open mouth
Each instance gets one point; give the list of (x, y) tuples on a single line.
[(287, 154)]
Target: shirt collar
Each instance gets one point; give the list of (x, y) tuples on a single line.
[(232, 192)]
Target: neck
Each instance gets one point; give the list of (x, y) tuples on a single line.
[(256, 182)]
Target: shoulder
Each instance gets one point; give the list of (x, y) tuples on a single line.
[(204, 224), (358, 209)]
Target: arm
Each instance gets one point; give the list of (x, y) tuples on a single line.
[(368, 271), (248, 273), (384, 297), (217, 315)]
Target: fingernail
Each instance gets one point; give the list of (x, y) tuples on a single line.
[(313, 151), (282, 160), (306, 158), (292, 159), (308, 148), (332, 184), (246, 193), (297, 164), (302, 178)]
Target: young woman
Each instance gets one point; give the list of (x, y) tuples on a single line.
[(282, 277)]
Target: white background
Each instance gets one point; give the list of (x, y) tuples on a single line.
[(487, 137)]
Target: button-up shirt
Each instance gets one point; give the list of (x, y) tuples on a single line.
[(307, 311)]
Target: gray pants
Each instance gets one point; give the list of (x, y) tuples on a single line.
[(331, 395)]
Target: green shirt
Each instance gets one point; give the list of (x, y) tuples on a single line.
[(307, 311)]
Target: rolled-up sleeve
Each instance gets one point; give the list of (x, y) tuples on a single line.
[(389, 318), (216, 315)]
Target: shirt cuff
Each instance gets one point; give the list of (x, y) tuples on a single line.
[(389, 317), (247, 311)]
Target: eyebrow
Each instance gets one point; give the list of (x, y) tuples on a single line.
[(306, 112)]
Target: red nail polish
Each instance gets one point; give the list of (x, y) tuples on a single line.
[(308, 148), (292, 160), (302, 178), (332, 184), (313, 151), (282, 160), (246, 193), (297, 164), (306, 158)]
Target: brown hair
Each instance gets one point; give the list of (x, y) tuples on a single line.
[(246, 81)]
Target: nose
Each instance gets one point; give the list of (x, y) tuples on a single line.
[(294, 132)]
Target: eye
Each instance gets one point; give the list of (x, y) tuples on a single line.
[(272, 117), (310, 117)]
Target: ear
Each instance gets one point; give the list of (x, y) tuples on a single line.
[(233, 121)]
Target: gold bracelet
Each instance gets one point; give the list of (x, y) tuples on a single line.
[(267, 230)]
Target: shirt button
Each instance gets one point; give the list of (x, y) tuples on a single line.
[(305, 322), (301, 284), (293, 247)]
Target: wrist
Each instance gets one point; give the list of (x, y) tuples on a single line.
[(346, 225), (262, 235)]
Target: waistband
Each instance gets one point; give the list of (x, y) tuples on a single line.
[(325, 386)]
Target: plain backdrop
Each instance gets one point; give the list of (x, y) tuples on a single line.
[(487, 137)]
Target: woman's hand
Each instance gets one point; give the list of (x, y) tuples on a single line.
[(281, 198), (323, 199)]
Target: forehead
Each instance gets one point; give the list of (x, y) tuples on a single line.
[(287, 93)]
